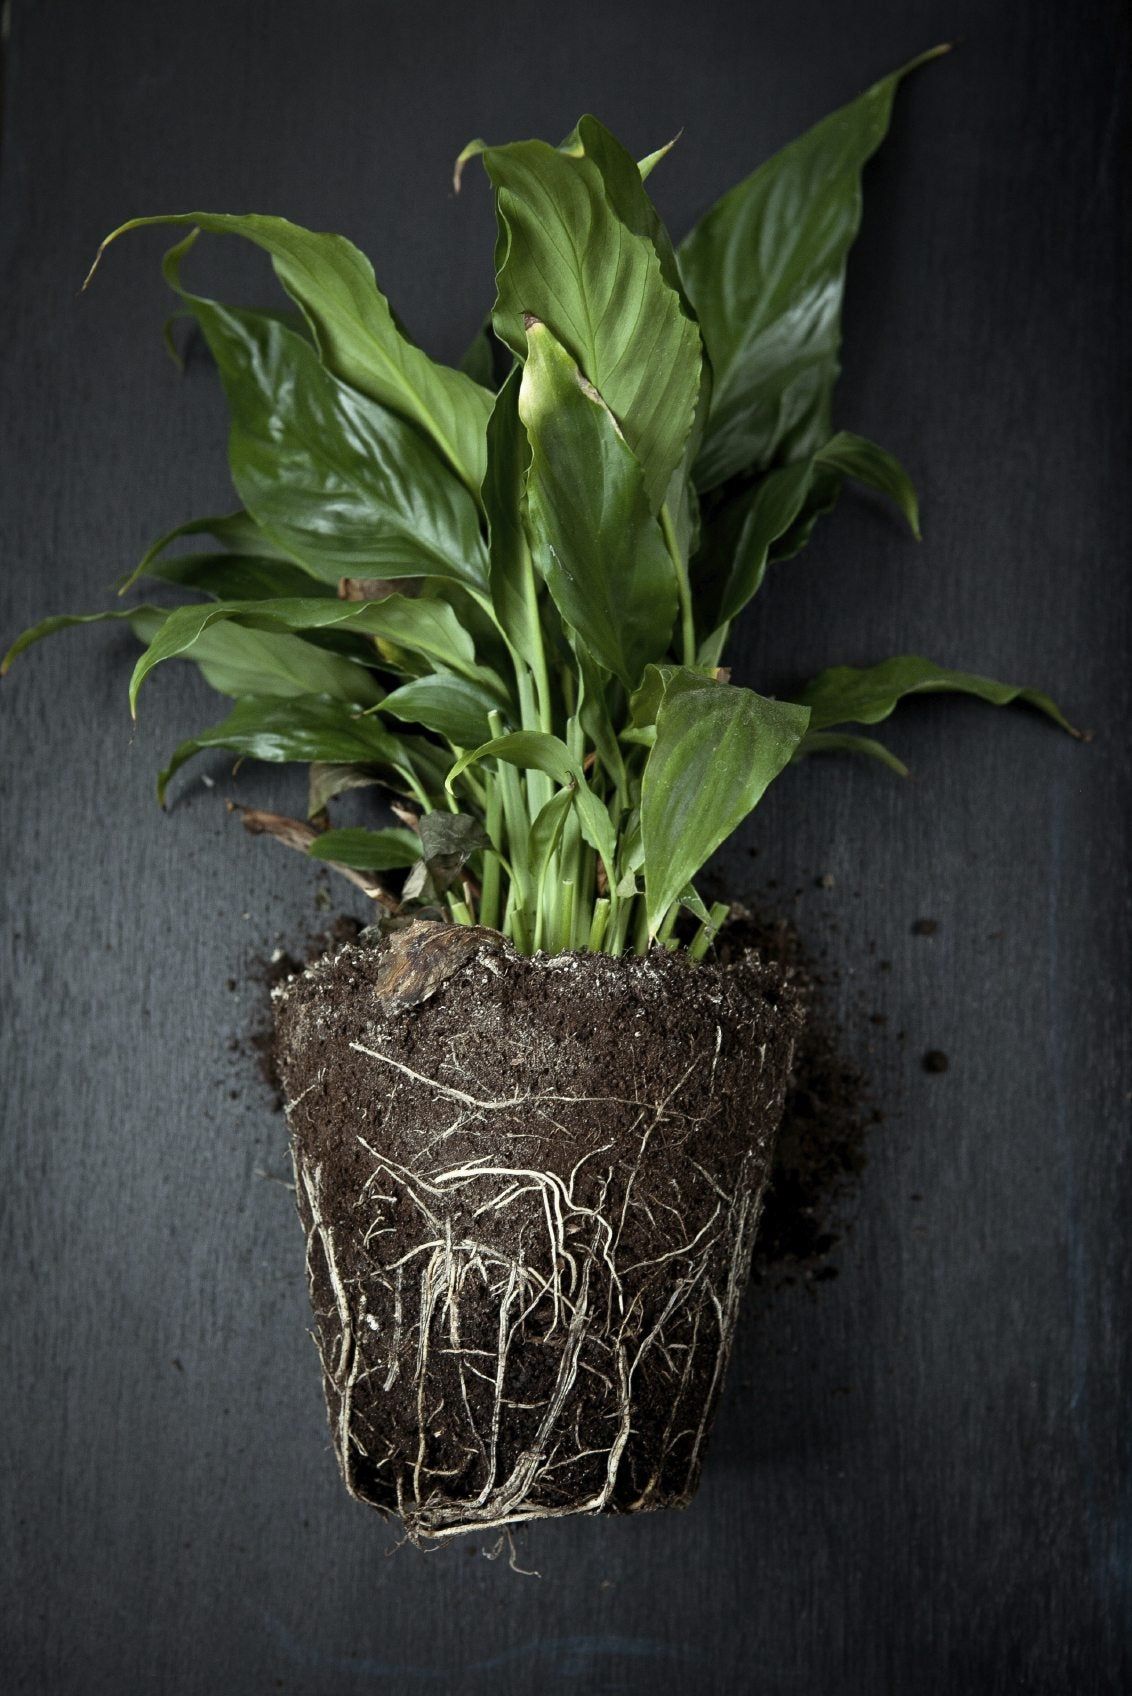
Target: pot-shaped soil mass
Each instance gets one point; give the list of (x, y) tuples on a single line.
[(530, 1188)]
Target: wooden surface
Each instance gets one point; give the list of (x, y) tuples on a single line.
[(919, 1476)]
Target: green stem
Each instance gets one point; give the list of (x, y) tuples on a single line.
[(683, 587), (598, 925), (492, 865), (708, 932)]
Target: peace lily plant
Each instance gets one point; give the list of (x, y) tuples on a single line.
[(530, 1145), (510, 605)]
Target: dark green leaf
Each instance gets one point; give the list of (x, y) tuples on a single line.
[(450, 706), (533, 750), (245, 660), (67, 621), (426, 627), (717, 748), (565, 255), (737, 546), (367, 850), (302, 728), (625, 189), (602, 552), (478, 362), (512, 576), (866, 695), (845, 742), (356, 334), (238, 577), (341, 482), (238, 532), (328, 778), (765, 271)]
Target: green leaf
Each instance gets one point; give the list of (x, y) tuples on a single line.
[(511, 574), (450, 706), (765, 271), (717, 748), (649, 163), (238, 532), (238, 577), (731, 564), (565, 256), (603, 553), (340, 482), (533, 750), (303, 728), (243, 660), (845, 742), (67, 621), (356, 334), (625, 188), (478, 361), (546, 832), (367, 850), (328, 778), (866, 695), (426, 627)]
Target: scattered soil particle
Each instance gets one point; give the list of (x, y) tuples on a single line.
[(529, 1193), (821, 1147), (925, 927), (935, 1060)]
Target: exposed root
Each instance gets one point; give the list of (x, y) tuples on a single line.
[(526, 1299)]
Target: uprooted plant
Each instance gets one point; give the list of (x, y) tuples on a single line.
[(503, 593)]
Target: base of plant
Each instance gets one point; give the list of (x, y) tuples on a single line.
[(530, 1188)]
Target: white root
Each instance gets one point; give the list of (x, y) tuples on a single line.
[(529, 1253)]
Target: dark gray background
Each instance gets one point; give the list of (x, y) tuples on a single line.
[(918, 1480)]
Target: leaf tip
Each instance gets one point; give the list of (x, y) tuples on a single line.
[(471, 151)]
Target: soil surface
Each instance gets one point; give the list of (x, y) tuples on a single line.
[(822, 1145), (530, 1189)]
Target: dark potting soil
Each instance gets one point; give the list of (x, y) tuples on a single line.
[(822, 1145), (530, 1199)]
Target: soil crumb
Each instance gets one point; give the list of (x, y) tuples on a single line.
[(821, 1148)]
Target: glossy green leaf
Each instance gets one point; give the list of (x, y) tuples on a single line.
[(341, 482), (478, 361), (237, 532), (533, 750), (68, 621), (427, 627), (845, 742), (356, 334), (866, 695), (238, 577), (625, 189), (602, 552), (737, 546), (717, 748), (765, 271), (449, 706), (244, 660), (546, 833), (511, 571), (302, 728), (367, 850), (565, 255)]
